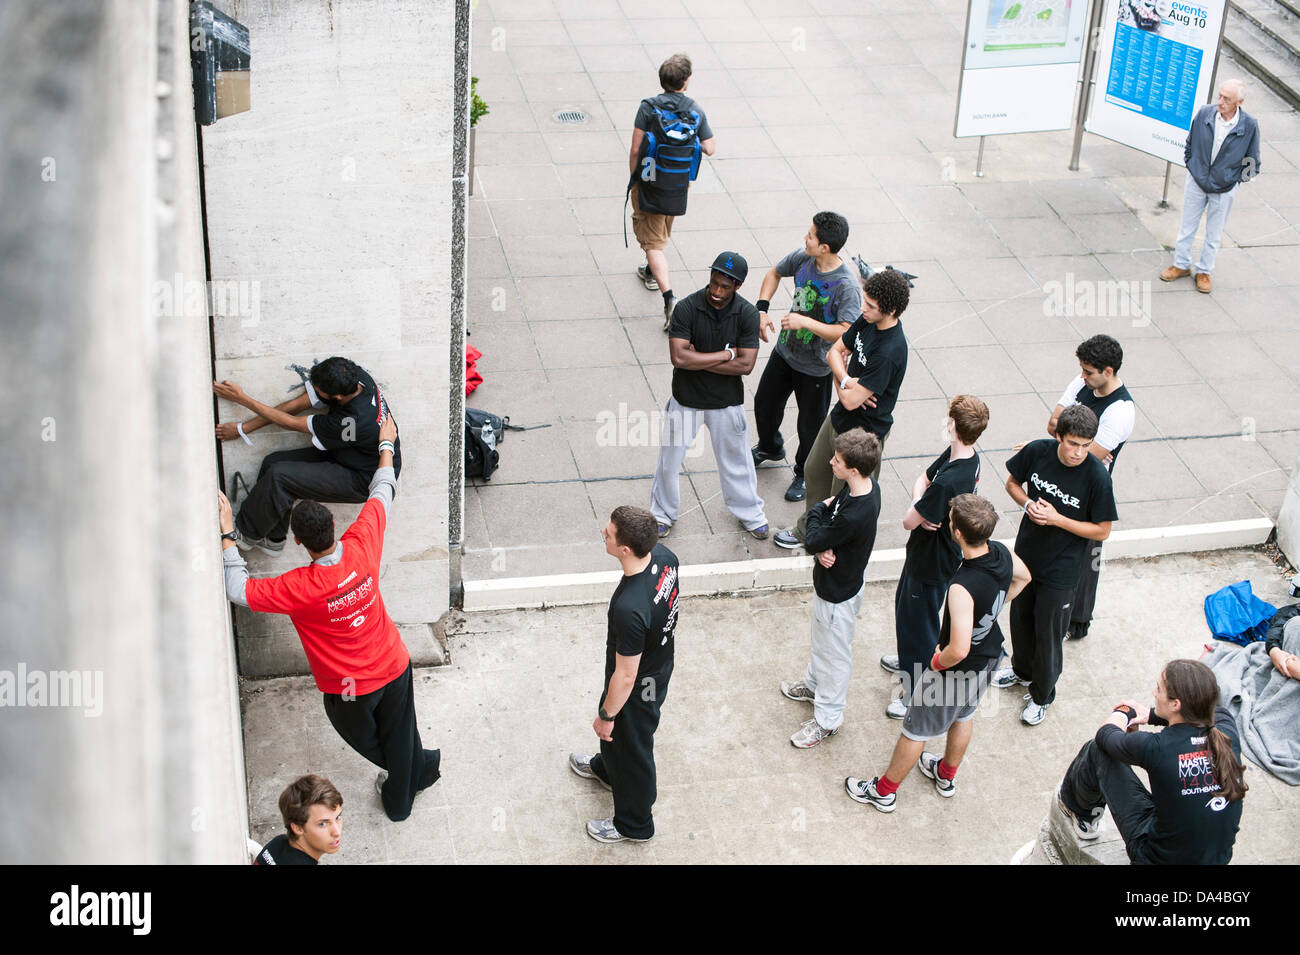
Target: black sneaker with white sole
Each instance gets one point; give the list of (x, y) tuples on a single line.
[(864, 791)]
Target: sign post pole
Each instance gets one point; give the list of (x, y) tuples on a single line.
[(1085, 87), (1164, 198), (979, 161)]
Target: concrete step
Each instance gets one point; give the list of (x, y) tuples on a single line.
[(1058, 845), (1264, 36)]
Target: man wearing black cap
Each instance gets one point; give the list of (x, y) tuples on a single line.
[(712, 341)]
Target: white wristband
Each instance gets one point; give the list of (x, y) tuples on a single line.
[(731, 355), (844, 382), (240, 428)]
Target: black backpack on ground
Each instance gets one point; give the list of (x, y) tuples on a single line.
[(483, 434)]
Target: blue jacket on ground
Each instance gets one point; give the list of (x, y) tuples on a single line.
[(1238, 159)]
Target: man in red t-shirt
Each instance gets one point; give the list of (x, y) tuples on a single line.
[(355, 652)]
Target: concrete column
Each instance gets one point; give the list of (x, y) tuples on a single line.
[(111, 581)]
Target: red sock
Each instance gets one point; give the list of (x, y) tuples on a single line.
[(885, 786), (945, 771)]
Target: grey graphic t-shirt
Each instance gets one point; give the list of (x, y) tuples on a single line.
[(830, 297)]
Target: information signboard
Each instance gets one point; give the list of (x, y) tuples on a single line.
[(1154, 68), (1020, 66)]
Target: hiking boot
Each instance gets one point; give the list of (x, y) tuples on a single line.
[(1087, 829), (1174, 272), (1203, 282), (758, 533), (797, 691), (664, 529), (604, 830), (890, 663), (864, 791), (797, 491), (1033, 713), (897, 709), (647, 277), (787, 540), (761, 456), (1005, 677), (929, 765), (668, 310), (582, 766), (810, 734)]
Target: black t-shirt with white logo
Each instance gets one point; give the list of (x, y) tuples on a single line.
[(1053, 555), (848, 527), (933, 556), (878, 360), (643, 615), (1195, 824), (279, 852), (350, 434), (987, 579), (712, 330)]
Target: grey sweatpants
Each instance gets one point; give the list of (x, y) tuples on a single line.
[(830, 664), (729, 432)]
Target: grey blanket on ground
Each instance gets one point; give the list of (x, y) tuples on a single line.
[(1265, 704)]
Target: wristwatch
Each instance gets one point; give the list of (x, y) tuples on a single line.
[(230, 536), (604, 716)]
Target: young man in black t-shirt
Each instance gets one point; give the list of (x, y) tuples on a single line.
[(312, 810), (337, 468), (713, 343), (653, 229), (970, 642), (1098, 386), (1068, 501), (867, 364), (932, 554), (841, 532), (638, 664)]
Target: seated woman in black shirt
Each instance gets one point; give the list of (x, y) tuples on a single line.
[(1191, 814)]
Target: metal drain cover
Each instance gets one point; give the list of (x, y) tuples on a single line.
[(570, 117)]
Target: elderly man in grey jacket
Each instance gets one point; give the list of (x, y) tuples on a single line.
[(1222, 151)]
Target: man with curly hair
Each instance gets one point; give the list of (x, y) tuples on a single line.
[(867, 364)]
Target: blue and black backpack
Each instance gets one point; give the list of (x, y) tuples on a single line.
[(669, 161)]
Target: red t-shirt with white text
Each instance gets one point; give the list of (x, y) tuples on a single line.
[(338, 612)]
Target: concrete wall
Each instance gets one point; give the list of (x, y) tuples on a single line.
[(1288, 520), (111, 565), (332, 198)]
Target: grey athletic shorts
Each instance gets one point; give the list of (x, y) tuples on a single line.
[(943, 698)]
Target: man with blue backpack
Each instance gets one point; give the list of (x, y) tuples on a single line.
[(670, 134)]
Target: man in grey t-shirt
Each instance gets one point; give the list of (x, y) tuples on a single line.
[(827, 300)]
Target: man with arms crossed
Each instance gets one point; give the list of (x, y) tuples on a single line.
[(1067, 499), (1099, 388), (827, 300), (932, 553), (841, 532), (713, 343), (970, 642), (867, 364), (356, 654), (638, 664)]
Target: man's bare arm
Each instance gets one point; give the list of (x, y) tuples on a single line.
[(232, 392), (227, 430)]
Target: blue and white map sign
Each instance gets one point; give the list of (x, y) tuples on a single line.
[(1154, 69)]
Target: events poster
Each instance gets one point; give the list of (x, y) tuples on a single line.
[(1020, 66), (1154, 71)]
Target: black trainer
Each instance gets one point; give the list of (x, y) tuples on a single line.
[(796, 491), (761, 456)]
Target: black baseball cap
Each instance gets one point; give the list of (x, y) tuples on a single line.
[(733, 264)]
